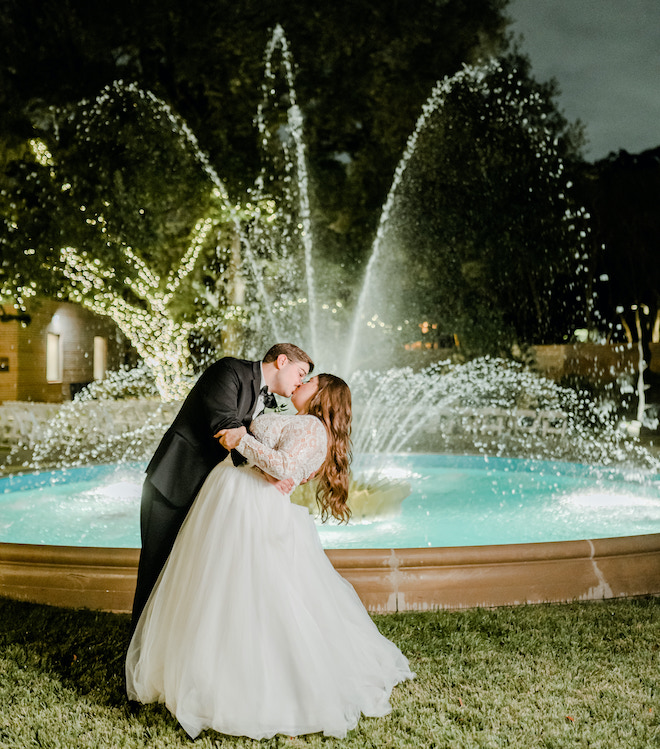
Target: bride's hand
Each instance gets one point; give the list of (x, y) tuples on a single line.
[(229, 438), (309, 478), (283, 486)]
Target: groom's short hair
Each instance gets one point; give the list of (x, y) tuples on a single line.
[(292, 353)]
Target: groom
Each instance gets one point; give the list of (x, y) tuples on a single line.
[(230, 393)]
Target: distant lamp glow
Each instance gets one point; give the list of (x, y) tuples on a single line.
[(581, 335)]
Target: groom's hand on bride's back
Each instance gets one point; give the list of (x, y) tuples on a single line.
[(229, 438)]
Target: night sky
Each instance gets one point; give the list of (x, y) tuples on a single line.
[(605, 54)]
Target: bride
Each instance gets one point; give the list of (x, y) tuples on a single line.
[(250, 631)]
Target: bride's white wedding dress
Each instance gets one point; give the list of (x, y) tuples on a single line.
[(250, 631)]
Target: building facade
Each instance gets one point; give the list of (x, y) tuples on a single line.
[(60, 350)]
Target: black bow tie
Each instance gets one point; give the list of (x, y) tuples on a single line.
[(269, 399)]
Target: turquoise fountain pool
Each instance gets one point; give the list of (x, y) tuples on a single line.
[(454, 501)]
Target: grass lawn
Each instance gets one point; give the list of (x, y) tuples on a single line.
[(570, 675)]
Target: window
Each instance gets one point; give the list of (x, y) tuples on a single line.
[(100, 357), (53, 358)]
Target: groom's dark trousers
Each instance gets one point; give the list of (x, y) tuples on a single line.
[(224, 397)]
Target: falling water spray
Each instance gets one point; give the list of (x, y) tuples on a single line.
[(295, 126), (432, 104)]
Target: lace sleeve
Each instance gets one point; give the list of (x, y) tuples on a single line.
[(299, 452)]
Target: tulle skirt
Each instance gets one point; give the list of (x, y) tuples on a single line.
[(250, 630)]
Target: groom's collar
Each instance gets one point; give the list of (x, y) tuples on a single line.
[(263, 379)]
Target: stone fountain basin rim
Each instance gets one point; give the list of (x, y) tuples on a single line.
[(386, 580)]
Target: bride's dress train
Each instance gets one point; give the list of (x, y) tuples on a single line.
[(250, 630)]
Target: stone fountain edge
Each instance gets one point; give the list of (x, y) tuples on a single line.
[(387, 580)]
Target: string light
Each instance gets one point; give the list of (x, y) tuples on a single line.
[(144, 315)]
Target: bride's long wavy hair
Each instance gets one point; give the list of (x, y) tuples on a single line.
[(332, 404)]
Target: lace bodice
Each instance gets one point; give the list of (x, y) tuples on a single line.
[(286, 446)]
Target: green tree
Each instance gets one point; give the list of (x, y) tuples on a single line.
[(486, 240), (364, 69), (622, 194), (481, 227), (122, 217)]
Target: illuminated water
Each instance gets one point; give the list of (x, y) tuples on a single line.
[(455, 501)]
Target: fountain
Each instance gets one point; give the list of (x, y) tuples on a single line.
[(491, 408)]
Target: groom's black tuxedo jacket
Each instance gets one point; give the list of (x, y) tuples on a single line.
[(224, 397)]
